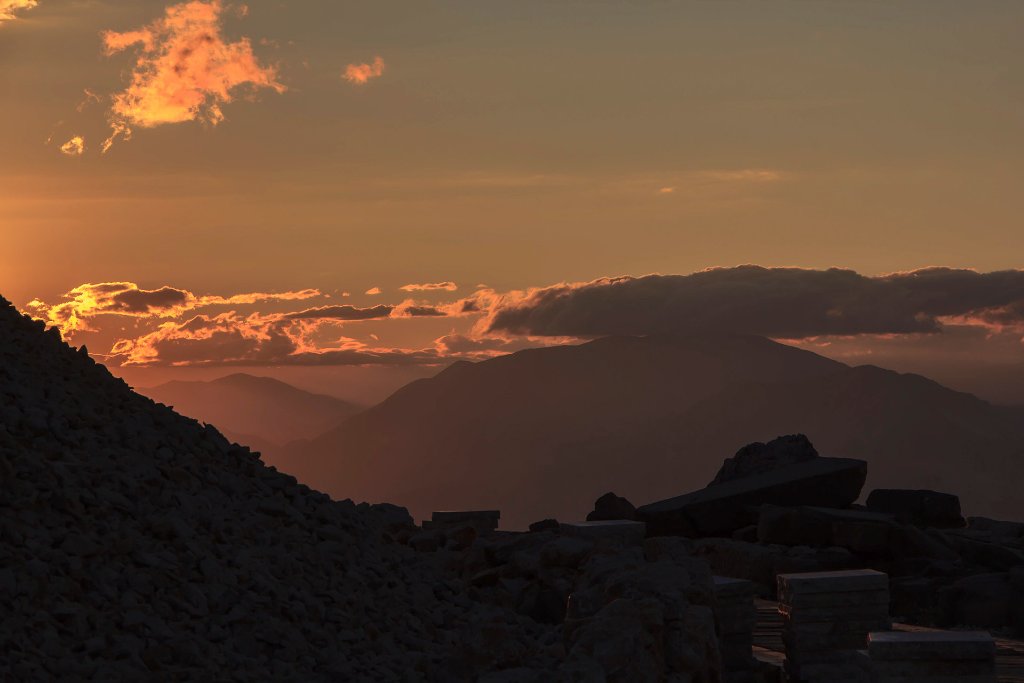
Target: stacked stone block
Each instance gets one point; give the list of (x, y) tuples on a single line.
[(735, 618), (826, 620), (932, 657)]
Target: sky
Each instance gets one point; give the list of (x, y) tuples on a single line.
[(360, 193)]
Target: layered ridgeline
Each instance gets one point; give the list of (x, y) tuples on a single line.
[(545, 431), (260, 412), (136, 544)]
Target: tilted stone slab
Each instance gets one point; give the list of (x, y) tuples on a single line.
[(721, 509), (619, 531), (842, 581), (932, 645)]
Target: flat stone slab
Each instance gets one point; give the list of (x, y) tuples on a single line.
[(843, 581), (617, 530), (722, 508), (932, 645)]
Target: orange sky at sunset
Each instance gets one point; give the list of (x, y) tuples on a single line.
[(190, 188)]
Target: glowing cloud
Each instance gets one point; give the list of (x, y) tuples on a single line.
[(128, 299), (373, 291), (344, 312), (233, 339), (431, 287), (9, 7), (74, 147), (185, 70), (362, 73)]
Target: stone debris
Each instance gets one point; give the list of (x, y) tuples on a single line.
[(735, 619), (826, 619), (932, 657)]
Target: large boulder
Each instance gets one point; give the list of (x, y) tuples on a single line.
[(721, 509), (758, 458), (920, 507)]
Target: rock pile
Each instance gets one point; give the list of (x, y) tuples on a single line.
[(136, 544)]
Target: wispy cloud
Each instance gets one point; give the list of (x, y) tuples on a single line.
[(373, 291), (344, 312), (185, 69), (363, 73), (10, 8), (430, 287)]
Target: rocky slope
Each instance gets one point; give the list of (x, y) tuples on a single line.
[(136, 544)]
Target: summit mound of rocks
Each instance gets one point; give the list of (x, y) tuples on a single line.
[(137, 544), (758, 458)]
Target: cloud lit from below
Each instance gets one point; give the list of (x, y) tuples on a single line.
[(8, 8), (430, 287), (75, 147), (360, 74), (185, 70), (87, 301)]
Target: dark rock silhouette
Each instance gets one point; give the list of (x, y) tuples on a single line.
[(924, 508), (757, 458), (609, 506), (724, 508), (543, 432)]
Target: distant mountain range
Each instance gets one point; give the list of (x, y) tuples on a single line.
[(543, 432), (260, 412)]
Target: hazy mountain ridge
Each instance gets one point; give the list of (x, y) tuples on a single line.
[(261, 412), (550, 429)]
